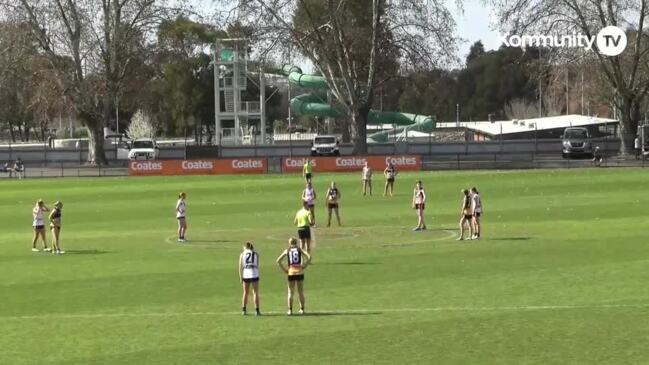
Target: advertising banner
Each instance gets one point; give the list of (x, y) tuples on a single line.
[(352, 163), (198, 167)]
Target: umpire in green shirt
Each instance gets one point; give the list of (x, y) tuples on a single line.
[(307, 170), (303, 221)]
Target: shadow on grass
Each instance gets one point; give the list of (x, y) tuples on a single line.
[(208, 241), (349, 263), (322, 314), (86, 252), (512, 238)]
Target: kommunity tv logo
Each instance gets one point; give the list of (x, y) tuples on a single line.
[(610, 41)]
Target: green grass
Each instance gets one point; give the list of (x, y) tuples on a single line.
[(559, 277)]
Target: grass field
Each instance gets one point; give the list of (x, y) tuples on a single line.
[(559, 277)]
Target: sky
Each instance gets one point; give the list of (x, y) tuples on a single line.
[(473, 24)]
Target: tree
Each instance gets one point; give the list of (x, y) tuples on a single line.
[(141, 126), (430, 93), (626, 74), (30, 99), (182, 88), (93, 46), (336, 34), (476, 50), (489, 82)]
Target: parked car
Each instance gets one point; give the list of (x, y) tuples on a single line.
[(325, 146), (576, 142), (143, 149)]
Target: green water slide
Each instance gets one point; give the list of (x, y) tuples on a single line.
[(316, 104)]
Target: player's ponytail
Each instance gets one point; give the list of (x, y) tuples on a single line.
[(249, 246), (182, 195), (292, 242)]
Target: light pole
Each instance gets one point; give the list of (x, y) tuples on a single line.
[(567, 90), (540, 84), (117, 114), (290, 134), (457, 115)]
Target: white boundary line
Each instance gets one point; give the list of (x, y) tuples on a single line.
[(336, 312), (354, 235), (451, 234)]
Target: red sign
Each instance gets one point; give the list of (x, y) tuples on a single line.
[(352, 163), (198, 167)]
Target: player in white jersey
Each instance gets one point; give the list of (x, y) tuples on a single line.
[(295, 271), (309, 197), (181, 216), (249, 276), (419, 204), (476, 212), (366, 176), (38, 223)]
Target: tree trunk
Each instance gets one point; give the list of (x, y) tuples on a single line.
[(359, 131), (12, 134), (630, 115), (21, 132), (96, 155), (344, 127)]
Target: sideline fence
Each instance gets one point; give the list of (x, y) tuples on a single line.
[(276, 165)]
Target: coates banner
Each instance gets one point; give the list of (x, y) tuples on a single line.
[(198, 167), (352, 163)]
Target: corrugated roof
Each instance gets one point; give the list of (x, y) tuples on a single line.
[(527, 125)]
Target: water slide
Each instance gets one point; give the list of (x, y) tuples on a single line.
[(316, 104)]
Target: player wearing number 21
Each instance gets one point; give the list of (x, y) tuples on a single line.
[(295, 270), (249, 276)]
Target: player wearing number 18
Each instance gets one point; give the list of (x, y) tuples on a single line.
[(249, 276), (295, 271)]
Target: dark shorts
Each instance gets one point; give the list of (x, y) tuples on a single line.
[(391, 179), (251, 280), (304, 233), (179, 218), (311, 206), (477, 214), (467, 216), (296, 277), (307, 176), (39, 227), (421, 206), (332, 205)]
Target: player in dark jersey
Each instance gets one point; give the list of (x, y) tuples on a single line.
[(465, 215), (55, 226), (390, 173), (333, 198), (295, 271)]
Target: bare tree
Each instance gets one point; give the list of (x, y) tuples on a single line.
[(521, 109), (92, 44), (347, 50), (141, 126), (626, 74)]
